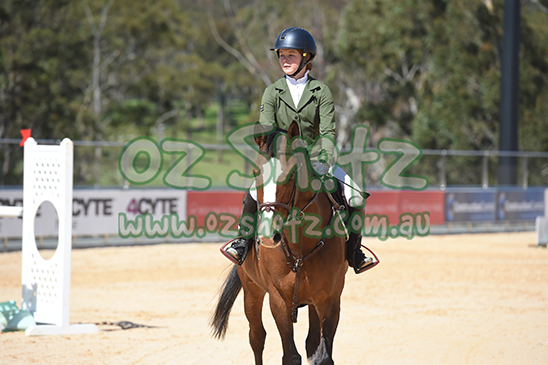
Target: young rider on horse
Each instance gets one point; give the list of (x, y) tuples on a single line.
[(301, 98)]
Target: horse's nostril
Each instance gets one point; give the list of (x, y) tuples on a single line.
[(277, 237)]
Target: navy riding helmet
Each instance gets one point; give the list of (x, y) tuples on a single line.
[(296, 38)]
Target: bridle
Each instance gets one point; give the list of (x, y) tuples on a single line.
[(271, 206)]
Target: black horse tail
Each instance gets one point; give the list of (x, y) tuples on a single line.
[(230, 290)]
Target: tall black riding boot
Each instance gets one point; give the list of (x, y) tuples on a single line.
[(354, 255), (239, 247)]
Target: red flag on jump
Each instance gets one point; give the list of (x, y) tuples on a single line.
[(26, 134)]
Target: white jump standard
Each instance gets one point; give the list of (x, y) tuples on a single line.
[(46, 283), (541, 224)]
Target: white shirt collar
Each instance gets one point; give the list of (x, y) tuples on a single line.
[(296, 87), (302, 80)]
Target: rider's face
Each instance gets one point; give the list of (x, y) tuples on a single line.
[(290, 59)]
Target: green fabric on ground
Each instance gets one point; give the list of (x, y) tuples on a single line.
[(13, 318)]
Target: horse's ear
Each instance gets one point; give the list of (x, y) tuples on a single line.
[(293, 130), (259, 134)]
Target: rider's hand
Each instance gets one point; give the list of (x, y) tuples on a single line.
[(320, 167)]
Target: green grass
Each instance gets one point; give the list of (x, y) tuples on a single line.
[(201, 132)]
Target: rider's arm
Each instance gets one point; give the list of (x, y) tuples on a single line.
[(327, 125), (267, 115)]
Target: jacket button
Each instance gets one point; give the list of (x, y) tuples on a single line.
[(296, 117)]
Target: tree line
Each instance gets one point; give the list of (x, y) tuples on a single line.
[(427, 71)]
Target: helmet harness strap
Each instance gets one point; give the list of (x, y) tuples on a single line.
[(303, 63)]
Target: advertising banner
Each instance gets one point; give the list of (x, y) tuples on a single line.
[(520, 205), (424, 201), (384, 203), (470, 206), (96, 211), (395, 203), (201, 203)]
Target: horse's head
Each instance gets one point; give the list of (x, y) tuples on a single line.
[(282, 163)]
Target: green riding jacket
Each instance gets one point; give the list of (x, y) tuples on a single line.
[(315, 115)]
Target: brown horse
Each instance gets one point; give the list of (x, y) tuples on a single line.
[(296, 270)]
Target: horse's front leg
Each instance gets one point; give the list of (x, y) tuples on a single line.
[(281, 311), (314, 332), (253, 305), (327, 316)]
